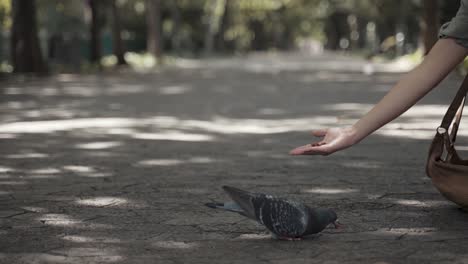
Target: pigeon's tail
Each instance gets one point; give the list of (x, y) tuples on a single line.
[(215, 205), (243, 199), (229, 206)]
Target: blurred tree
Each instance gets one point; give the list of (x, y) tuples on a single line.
[(214, 13), (25, 48), (176, 18), (224, 25), (431, 23), (5, 24), (5, 9), (95, 31), (154, 37), (117, 44)]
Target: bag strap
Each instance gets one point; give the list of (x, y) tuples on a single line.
[(456, 124), (455, 106)]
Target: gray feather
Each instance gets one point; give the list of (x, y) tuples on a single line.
[(284, 218)]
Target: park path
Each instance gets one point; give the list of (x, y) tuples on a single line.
[(115, 168)]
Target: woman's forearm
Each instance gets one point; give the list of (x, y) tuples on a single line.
[(441, 60)]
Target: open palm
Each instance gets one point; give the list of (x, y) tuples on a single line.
[(333, 139)]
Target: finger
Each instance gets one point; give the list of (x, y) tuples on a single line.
[(320, 132), (309, 149), (320, 150), (317, 144)]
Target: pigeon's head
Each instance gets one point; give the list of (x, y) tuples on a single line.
[(325, 217), (334, 219)]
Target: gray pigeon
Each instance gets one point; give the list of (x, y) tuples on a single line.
[(288, 220)]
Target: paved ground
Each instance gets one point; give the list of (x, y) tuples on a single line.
[(116, 168)]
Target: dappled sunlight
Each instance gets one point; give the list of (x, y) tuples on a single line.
[(419, 122), (62, 256), (355, 108), (411, 134), (118, 89), (99, 145), (173, 162), (254, 237), (85, 239), (173, 136), (87, 171), (78, 168), (413, 231), (58, 220), (4, 193), (64, 220), (96, 254), (274, 63), (174, 89), (35, 209), (4, 169), (47, 170), (81, 91), (103, 201), (223, 125), (13, 183), (417, 203), (334, 77), (7, 136), (329, 191), (97, 174), (170, 127), (218, 124), (175, 244), (50, 126), (30, 155)]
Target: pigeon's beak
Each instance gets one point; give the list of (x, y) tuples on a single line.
[(338, 225)]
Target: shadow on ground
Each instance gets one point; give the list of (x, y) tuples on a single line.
[(116, 168)]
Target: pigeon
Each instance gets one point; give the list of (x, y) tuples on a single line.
[(285, 219)]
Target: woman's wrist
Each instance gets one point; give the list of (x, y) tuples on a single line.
[(356, 133)]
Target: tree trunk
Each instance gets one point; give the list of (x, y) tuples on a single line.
[(213, 23), (177, 21), (431, 24), (259, 41), (25, 47), (116, 35), (224, 25), (95, 55), (153, 19)]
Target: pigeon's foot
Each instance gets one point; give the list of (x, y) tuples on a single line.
[(338, 225)]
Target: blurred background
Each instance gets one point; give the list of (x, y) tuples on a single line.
[(86, 35)]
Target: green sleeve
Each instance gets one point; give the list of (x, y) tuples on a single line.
[(457, 28)]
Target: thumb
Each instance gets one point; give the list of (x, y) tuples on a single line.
[(320, 132)]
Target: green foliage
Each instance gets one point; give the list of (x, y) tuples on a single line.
[(193, 27), (5, 18), (58, 16)]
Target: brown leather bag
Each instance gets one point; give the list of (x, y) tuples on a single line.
[(449, 172)]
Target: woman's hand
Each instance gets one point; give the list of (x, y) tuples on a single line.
[(442, 58), (334, 139)]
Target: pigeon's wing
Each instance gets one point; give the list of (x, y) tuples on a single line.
[(243, 199), (282, 217), (228, 206)]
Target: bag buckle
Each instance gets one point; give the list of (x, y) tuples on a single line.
[(447, 149)]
